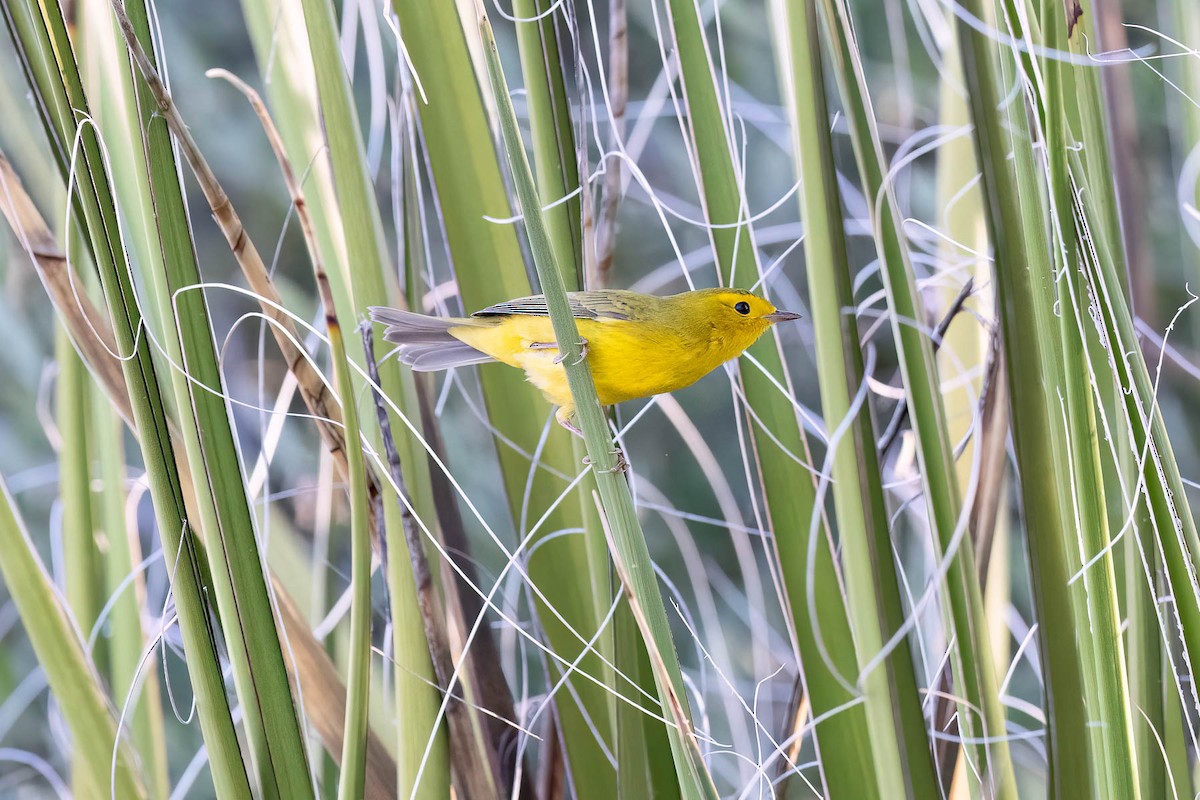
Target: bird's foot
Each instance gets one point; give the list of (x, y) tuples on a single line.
[(568, 422), (622, 464), (583, 351)]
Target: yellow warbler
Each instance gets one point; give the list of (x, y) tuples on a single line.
[(637, 345)]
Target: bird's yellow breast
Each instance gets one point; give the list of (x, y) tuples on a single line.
[(629, 359)]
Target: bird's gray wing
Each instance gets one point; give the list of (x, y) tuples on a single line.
[(605, 304)]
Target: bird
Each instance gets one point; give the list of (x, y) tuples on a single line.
[(637, 345)]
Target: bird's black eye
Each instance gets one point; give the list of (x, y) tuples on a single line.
[(742, 308)]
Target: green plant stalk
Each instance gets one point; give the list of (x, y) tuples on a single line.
[(352, 780), (724, 205), (104, 70), (1164, 490), (239, 582), (1180, 779), (572, 571), (1105, 679), (645, 767), (789, 490), (1147, 678), (489, 266), (127, 640), (365, 278), (971, 658), (59, 93), (555, 162), (81, 570), (846, 732), (893, 709), (1024, 288), (1091, 166), (69, 672), (629, 544), (718, 181)]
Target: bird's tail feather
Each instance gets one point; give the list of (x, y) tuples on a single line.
[(425, 343), (434, 357)]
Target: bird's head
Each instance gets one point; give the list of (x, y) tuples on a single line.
[(737, 317)]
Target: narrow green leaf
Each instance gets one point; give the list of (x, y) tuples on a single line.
[(362, 278), (127, 640), (1025, 292), (1105, 679), (628, 545), (70, 673), (489, 266), (981, 717), (352, 780), (81, 566), (59, 93), (560, 561), (239, 580)]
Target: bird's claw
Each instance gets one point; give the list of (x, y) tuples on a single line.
[(583, 351), (622, 464)]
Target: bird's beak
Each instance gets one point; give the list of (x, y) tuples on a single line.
[(782, 316)]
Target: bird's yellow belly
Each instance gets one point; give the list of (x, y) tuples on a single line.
[(627, 360)]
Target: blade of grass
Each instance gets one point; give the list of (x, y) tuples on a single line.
[(804, 548), (489, 266), (585, 724), (363, 277), (80, 576), (127, 640), (897, 740), (627, 544), (71, 675), (325, 700), (555, 162), (80, 565), (352, 781), (1114, 766), (240, 585), (59, 94), (780, 448), (1034, 373), (645, 766), (981, 717)]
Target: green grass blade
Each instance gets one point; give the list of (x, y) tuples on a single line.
[(80, 555), (555, 160), (364, 278), (489, 267), (845, 728), (71, 675), (1034, 372), (352, 781), (1105, 679), (560, 560), (240, 585), (787, 485), (127, 640), (644, 763), (79, 551), (857, 482), (58, 92), (981, 718), (627, 544)]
